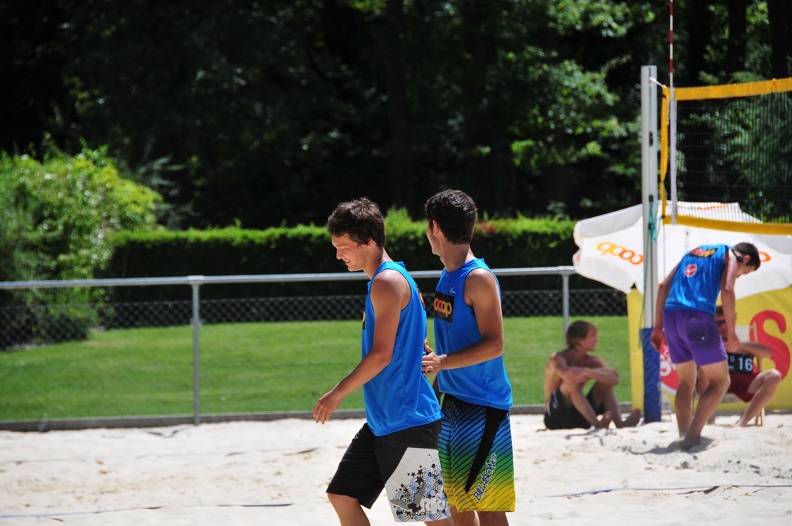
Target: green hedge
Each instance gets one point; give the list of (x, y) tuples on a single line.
[(521, 242)]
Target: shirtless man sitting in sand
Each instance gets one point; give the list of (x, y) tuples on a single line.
[(566, 376)]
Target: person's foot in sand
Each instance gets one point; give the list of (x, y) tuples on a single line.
[(689, 442), (604, 421), (702, 444), (631, 421)]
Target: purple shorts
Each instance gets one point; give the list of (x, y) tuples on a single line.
[(693, 335)]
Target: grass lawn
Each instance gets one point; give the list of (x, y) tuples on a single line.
[(251, 367)]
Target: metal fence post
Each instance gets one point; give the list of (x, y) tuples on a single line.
[(195, 282)]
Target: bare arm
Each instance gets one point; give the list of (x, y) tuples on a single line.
[(555, 370), (558, 371), (728, 300), (658, 336), (481, 294), (565, 372), (390, 292), (595, 369), (603, 373), (756, 349)]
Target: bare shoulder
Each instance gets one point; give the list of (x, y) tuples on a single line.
[(481, 283), (557, 359), (481, 276), (389, 283)]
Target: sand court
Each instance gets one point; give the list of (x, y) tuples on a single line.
[(275, 473)]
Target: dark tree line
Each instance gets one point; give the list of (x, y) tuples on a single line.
[(270, 112)]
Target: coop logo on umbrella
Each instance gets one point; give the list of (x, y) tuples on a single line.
[(606, 248)]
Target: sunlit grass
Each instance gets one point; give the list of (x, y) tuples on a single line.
[(250, 367)]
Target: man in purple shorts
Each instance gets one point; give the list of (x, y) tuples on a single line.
[(685, 320)]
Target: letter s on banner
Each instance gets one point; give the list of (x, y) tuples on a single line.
[(781, 354)]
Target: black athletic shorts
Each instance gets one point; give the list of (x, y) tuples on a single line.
[(370, 463), (561, 414)]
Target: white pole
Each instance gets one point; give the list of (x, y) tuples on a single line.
[(649, 190), (651, 362)]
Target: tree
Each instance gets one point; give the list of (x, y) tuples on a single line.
[(262, 113), (738, 32), (31, 66), (399, 117), (780, 16)]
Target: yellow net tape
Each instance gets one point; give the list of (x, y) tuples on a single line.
[(727, 91)]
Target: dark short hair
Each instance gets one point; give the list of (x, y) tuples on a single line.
[(361, 219), (749, 249), (578, 330), (455, 213)]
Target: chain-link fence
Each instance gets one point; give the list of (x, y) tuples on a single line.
[(84, 361)]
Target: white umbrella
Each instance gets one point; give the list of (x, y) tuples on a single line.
[(612, 249)]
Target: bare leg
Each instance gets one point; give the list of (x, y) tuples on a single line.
[(349, 511), (493, 518), (701, 386), (605, 395), (683, 401), (602, 394), (764, 385), (442, 522), (717, 375), (575, 395), (467, 518), (480, 518)]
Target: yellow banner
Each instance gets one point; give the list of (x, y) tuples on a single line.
[(771, 315)]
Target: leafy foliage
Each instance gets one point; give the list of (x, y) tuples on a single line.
[(259, 114), (268, 113), (55, 219), (62, 209)]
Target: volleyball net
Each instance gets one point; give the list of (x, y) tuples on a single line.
[(728, 144)]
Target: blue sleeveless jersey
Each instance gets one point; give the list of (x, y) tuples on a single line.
[(485, 383), (399, 397), (697, 280)]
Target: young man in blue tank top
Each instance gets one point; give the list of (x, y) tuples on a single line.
[(685, 320), (475, 442), (396, 449)]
